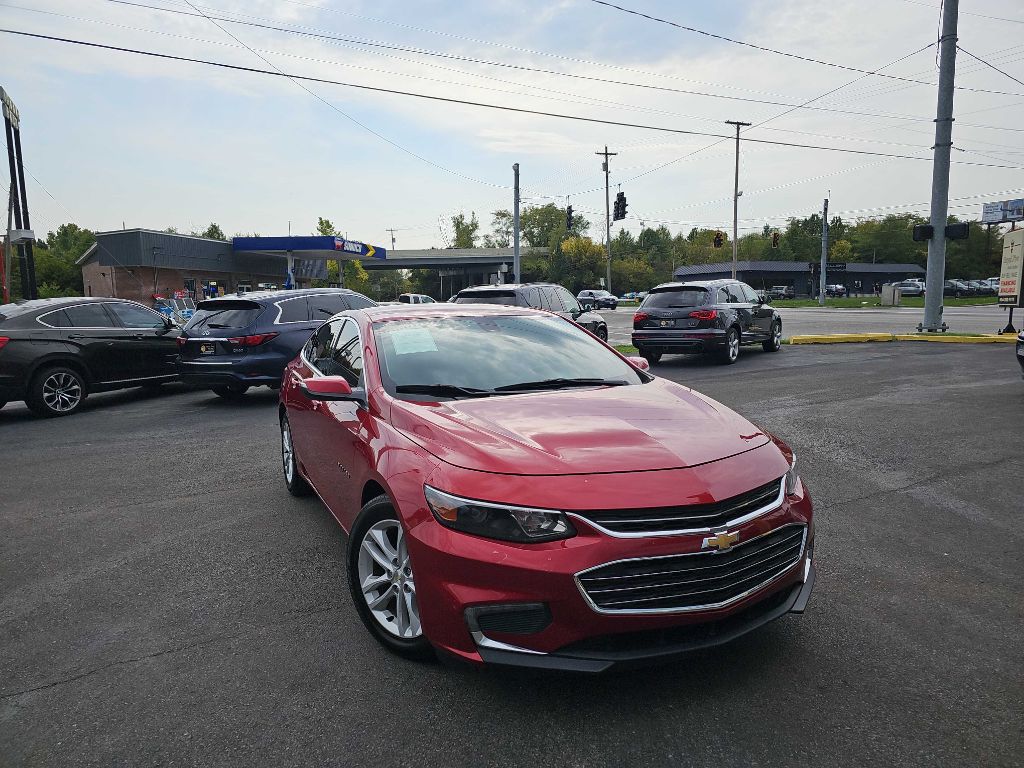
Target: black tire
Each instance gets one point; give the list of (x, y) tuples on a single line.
[(602, 333), (230, 391), (653, 358), (56, 391), (377, 511), (293, 481), (730, 352), (774, 343)]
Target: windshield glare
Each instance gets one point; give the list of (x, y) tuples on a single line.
[(676, 297), (225, 314), (508, 298), (489, 352)]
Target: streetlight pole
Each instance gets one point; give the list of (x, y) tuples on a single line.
[(607, 213), (516, 266), (736, 197)]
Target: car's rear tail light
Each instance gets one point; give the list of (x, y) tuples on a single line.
[(3, 341), (639, 317), (252, 341), (704, 314)]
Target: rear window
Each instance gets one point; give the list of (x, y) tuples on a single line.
[(676, 297), (216, 315), (508, 298), (358, 301)]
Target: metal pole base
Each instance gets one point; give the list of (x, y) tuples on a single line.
[(941, 329), (1009, 325)]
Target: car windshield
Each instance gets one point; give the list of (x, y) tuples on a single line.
[(451, 357), (224, 314), (508, 298), (676, 297)]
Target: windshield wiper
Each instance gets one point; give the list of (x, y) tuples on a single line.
[(561, 384), (442, 390)]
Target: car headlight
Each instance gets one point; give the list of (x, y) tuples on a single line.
[(497, 521), (792, 478)]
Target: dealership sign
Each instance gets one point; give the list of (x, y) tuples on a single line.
[(1011, 277), (1003, 211)]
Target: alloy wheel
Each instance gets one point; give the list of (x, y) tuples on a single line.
[(287, 453), (777, 336), (61, 392), (386, 580), (733, 346)]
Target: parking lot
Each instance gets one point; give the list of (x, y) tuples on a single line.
[(979, 319), (166, 602)]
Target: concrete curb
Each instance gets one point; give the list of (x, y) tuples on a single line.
[(858, 338)]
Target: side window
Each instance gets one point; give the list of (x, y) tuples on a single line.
[(532, 297), (324, 305), (568, 300), (748, 293), (320, 347), (57, 319), (720, 296), (89, 316), (358, 301), (551, 300), (347, 354), (734, 293), (132, 316), (294, 310)]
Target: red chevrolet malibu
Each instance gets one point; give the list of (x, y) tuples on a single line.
[(516, 492)]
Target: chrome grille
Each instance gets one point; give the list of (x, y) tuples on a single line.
[(663, 520), (697, 581)]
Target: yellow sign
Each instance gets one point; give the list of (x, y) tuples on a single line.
[(1011, 277)]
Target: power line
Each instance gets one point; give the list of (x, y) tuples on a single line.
[(997, 69), (783, 53)]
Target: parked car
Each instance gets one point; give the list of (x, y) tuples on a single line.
[(837, 291), (910, 288), (993, 283), (237, 342), (56, 352), (415, 298), (597, 299), (781, 292), (982, 287), (549, 296), (704, 316), (957, 289), (493, 515)]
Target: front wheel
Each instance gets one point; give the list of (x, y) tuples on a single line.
[(602, 333), (294, 482), (774, 342), (56, 391), (731, 350), (382, 581)]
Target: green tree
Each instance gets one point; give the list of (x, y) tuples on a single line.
[(214, 232), (540, 223), (501, 230), (465, 231)]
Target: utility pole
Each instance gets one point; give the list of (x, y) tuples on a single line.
[(736, 197), (26, 259), (515, 224), (392, 238), (824, 254), (940, 171), (607, 213)]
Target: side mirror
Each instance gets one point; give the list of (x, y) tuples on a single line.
[(639, 362), (764, 298), (331, 389)]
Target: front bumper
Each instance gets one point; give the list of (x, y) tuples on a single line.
[(463, 575), (678, 341)]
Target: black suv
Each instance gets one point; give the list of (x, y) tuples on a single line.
[(598, 299), (54, 352), (241, 341), (549, 296), (706, 316)]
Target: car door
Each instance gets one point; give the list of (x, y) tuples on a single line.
[(308, 416), (99, 341), (342, 427), (744, 311), (151, 346), (763, 313)]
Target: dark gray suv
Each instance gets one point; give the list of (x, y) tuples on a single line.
[(549, 296)]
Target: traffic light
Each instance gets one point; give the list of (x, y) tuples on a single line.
[(568, 218), (619, 211), (719, 239), (775, 239)]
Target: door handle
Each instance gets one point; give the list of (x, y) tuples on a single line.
[(139, 335), (76, 336)]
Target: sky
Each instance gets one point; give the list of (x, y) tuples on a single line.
[(114, 139)]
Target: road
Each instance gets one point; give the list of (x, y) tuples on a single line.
[(166, 602), (980, 319)]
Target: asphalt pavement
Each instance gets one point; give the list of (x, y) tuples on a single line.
[(812, 320), (165, 602)]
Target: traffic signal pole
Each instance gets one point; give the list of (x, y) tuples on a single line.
[(736, 198), (607, 212), (823, 275), (518, 278), (936, 274)]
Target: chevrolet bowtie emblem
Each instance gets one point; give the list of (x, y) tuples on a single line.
[(721, 541)]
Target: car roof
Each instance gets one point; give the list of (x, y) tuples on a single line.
[(23, 307), (509, 287), (694, 284), (441, 309), (282, 293)]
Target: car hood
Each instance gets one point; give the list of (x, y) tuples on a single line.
[(659, 425)]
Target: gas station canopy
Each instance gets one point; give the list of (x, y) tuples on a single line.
[(308, 247)]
